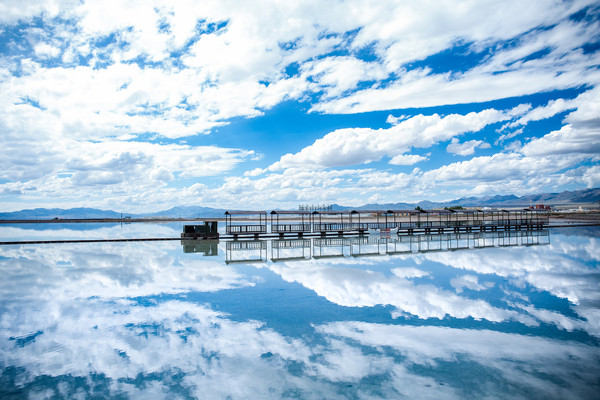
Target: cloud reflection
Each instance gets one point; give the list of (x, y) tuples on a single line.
[(120, 320), (352, 287)]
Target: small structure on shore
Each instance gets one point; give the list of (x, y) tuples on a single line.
[(208, 230)]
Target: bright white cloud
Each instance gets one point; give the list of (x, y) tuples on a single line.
[(567, 140), (44, 50), (540, 113), (502, 75), (470, 282), (498, 167), (551, 268), (362, 145), (358, 288), (407, 159), (466, 148)]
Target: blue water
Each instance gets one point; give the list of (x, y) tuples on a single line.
[(469, 316)]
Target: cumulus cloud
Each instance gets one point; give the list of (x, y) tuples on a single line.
[(498, 167), (567, 140), (345, 147), (46, 50), (69, 170), (407, 159), (357, 288), (466, 148), (581, 134), (469, 282), (550, 268), (540, 113)]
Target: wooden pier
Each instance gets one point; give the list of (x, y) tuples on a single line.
[(240, 224)]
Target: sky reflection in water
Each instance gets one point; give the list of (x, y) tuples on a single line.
[(148, 319)]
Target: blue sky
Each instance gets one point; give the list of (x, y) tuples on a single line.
[(143, 105)]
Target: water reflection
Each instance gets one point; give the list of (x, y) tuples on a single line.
[(208, 247), (290, 249), (258, 250), (500, 317)]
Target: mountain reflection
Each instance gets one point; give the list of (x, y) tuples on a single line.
[(449, 316)]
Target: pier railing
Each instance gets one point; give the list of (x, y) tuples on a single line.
[(245, 229), (290, 228), (332, 226)]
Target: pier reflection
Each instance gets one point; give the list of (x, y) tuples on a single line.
[(208, 247), (290, 249), (245, 251), (278, 250)]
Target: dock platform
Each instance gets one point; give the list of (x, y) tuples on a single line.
[(294, 224)]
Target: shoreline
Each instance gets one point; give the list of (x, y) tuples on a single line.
[(267, 237), (566, 219), (103, 220)]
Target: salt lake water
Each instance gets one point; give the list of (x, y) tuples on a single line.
[(494, 315)]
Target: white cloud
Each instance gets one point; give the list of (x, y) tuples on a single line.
[(549, 110), (358, 288), (441, 347), (116, 172), (470, 282), (510, 135), (335, 75), (407, 159), (580, 135), (502, 75), (466, 148), (551, 268), (12, 11), (44, 50), (588, 109), (567, 140), (353, 146), (409, 272), (499, 167), (475, 86)]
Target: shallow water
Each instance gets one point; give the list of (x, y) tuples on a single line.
[(450, 316)]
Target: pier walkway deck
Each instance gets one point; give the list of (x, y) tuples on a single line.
[(324, 223)]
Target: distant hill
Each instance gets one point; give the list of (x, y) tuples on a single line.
[(563, 198), (50, 213), (75, 213), (186, 212)]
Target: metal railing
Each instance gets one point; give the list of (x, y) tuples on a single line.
[(332, 227), (290, 228), (242, 229)]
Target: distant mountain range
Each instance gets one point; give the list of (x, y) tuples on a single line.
[(563, 198), (92, 213), (553, 199)]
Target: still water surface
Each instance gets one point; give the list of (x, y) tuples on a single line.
[(469, 316)]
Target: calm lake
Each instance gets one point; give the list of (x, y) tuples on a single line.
[(491, 315)]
